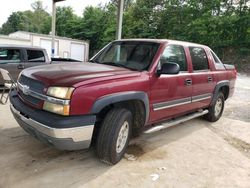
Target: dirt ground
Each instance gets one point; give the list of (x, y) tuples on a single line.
[(192, 154)]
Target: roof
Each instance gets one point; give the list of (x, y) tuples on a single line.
[(43, 35), (164, 41), (13, 38), (20, 46)]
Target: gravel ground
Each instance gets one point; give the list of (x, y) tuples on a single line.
[(193, 154)]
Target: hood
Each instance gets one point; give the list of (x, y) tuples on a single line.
[(76, 74)]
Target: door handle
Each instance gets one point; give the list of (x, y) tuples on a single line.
[(209, 79), (188, 82), (20, 66)]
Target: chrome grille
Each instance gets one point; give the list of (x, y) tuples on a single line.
[(34, 85), (30, 99)]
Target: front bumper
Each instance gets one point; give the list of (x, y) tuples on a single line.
[(65, 133)]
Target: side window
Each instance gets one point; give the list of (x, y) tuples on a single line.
[(217, 62), (174, 54), (199, 58), (9, 56), (35, 56), (216, 59)]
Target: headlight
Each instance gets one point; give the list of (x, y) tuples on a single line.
[(60, 92), (56, 108)]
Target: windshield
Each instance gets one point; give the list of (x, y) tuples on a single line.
[(135, 55)]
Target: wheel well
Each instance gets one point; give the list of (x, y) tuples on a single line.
[(136, 107), (225, 91)]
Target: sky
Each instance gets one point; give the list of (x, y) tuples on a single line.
[(10, 6)]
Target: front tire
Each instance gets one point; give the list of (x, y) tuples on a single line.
[(216, 109), (114, 135)]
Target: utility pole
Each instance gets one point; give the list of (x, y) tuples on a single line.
[(119, 19), (53, 26)]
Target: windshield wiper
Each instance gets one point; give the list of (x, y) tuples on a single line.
[(94, 61)]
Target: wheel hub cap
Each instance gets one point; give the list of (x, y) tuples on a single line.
[(218, 107), (122, 137)]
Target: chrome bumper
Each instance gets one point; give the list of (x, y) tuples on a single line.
[(78, 137)]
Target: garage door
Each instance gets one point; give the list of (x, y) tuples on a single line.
[(46, 44), (77, 51)]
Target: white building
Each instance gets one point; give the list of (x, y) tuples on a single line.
[(64, 47)]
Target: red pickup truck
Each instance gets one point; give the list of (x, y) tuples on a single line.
[(130, 86)]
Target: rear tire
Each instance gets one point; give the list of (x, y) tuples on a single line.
[(114, 135), (216, 109)]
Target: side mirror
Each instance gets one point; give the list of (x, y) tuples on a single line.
[(169, 68)]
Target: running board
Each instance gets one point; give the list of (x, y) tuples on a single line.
[(176, 121)]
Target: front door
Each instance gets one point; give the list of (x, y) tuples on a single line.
[(171, 94), (11, 60)]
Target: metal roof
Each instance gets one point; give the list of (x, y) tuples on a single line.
[(20, 46), (163, 41), (43, 35)]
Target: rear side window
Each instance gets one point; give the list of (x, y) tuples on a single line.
[(217, 62), (35, 56), (174, 54), (199, 58), (9, 56), (216, 59)]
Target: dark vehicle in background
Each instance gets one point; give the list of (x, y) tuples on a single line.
[(15, 58)]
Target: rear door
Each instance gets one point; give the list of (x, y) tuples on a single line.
[(11, 60), (34, 58), (203, 81)]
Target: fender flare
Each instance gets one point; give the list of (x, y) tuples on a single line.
[(120, 97), (217, 88)]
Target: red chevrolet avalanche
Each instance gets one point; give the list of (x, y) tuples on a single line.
[(130, 86)]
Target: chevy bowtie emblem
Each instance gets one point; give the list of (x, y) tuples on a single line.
[(25, 89)]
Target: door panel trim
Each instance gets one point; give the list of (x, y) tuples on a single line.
[(170, 104), (201, 97), (178, 102)]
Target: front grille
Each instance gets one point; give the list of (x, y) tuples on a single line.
[(30, 99), (34, 85)]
